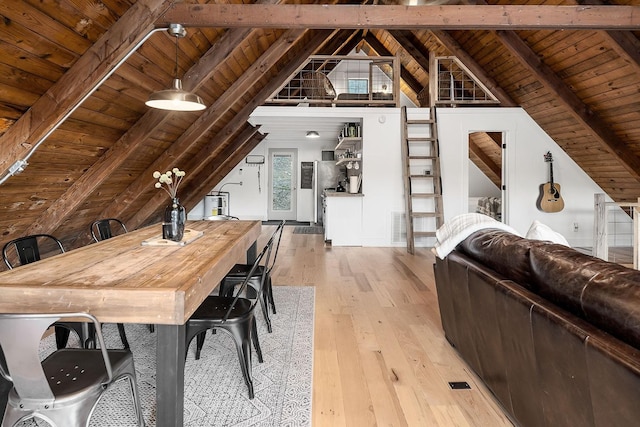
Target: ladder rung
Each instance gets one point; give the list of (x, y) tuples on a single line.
[(423, 176), (422, 157), (425, 214), (426, 195), (420, 139), (424, 233), (420, 122)]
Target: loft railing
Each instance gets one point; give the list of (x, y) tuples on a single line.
[(456, 85), (351, 80)]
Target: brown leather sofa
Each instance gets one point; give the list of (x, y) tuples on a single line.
[(553, 333)]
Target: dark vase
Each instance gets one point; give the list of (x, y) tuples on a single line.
[(174, 219)]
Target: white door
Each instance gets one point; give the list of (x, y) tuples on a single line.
[(282, 184)]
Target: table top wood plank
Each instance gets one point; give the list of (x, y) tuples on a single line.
[(120, 280)]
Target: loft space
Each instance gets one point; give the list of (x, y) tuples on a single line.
[(374, 81)]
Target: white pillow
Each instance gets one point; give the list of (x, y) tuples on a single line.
[(462, 226), (539, 231)]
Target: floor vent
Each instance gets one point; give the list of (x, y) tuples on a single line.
[(398, 228), (459, 385)]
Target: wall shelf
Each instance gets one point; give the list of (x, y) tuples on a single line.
[(347, 160), (346, 143)]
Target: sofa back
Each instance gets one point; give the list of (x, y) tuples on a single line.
[(604, 294)]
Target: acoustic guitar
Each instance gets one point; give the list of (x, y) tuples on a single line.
[(550, 199)]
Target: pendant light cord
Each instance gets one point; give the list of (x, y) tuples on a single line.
[(176, 74)]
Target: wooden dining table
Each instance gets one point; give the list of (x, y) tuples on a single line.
[(138, 278)]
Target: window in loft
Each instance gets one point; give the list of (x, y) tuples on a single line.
[(358, 86)]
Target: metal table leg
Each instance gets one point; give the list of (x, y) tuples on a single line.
[(170, 375), (252, 253)]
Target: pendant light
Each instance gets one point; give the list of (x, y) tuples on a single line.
[(313, 134), (176, 99)]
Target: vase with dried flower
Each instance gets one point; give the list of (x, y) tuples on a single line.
[(174, 214)]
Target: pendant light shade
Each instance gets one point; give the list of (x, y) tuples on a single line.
[(313, 134), (176, 99)]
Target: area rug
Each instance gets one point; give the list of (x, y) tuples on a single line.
[(215, 392)]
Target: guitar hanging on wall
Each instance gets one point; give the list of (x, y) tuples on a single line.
[(550, 199)]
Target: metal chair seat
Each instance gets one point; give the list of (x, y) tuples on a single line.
[(65, 387)]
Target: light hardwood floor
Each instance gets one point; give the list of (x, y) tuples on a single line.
[(380, 356)]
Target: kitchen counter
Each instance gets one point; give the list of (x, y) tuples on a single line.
[(341, 194), (343, 218)]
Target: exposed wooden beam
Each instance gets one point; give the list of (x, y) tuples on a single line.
[(201, 159), (75, 84), (579, 110), (413, 47), (627, 46), (456, 50), (445, 17), (625, 43)]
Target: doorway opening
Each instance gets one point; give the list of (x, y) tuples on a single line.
[(282, 184), (486, 173)]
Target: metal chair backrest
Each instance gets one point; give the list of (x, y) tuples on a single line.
[(28, 248), (265, 253), (20, 336), (101, 228), (277, 233)]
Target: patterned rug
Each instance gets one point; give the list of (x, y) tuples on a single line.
[(215, 392)]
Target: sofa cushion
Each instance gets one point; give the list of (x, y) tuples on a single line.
[(540, 231), (504, 252), (605, 294)]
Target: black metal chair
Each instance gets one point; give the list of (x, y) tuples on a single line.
[(239, 271), (65, 387), (103, 229), (235, 316), (28, 249)]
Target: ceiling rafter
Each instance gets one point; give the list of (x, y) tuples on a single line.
[(446, 17), (579, 110), (625, 43), (90, 68), (413, 47)]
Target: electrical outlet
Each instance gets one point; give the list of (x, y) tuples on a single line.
[(575, 226)]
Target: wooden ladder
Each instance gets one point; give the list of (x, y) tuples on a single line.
[(421, 175)]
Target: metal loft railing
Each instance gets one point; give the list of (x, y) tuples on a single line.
[(351, 80)]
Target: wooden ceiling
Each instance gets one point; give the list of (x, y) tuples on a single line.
[(74, 75)]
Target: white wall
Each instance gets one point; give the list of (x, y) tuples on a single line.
[(525, 171), (383, 202), (480, 185)]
